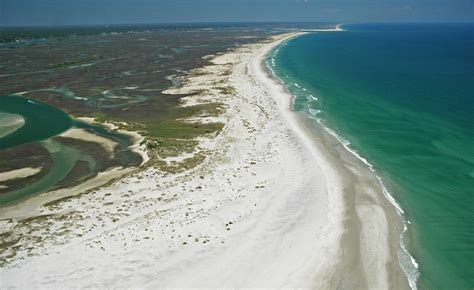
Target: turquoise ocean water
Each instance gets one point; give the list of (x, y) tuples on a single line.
[(403, 97)]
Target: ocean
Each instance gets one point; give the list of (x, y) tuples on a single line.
[(402, 97)]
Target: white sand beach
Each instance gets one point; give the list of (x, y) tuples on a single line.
[(276, 203)]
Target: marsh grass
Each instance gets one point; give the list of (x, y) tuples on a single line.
[(168, 134)]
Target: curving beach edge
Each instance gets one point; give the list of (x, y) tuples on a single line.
[(370, 244), (276, 203)]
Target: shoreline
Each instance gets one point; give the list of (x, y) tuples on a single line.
[(329, 140), (346, 161), (276, 203)]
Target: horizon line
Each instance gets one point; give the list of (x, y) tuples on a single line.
[(229, 23)]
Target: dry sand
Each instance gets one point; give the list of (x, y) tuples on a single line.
[(19, 173), (276, 203), (10, 123), (84, 135)]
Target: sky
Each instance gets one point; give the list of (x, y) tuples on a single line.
[(91, 12)]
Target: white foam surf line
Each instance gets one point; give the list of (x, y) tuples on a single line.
[(411, 268)]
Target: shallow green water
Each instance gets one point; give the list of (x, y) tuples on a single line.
[(403, 96), (41, 121), (64, 159)]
